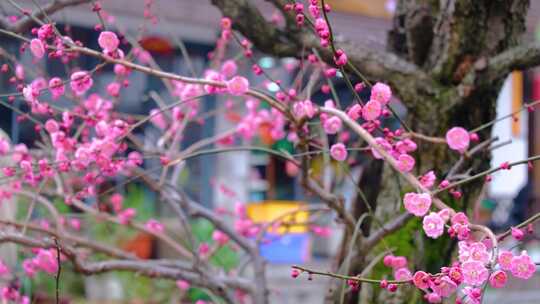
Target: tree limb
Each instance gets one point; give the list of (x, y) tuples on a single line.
[(516, 58), (405, 77), (27, 22)]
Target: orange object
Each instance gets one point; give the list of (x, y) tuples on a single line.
[(265, 133), (141, 245), (156, 44), (517, 101), (269, 211)]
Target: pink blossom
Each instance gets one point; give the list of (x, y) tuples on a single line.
[(457, 139), (428, 180), (405, 162), (203, 250), (19, 72), (4, 146), (455, 274), (406, 146), (433, 225), (75, 224), (134, 159), (517, 233), (402, 274), (498, 279), (29, 268), (304, 108), (444, 286), (433, 297), (108, 41), (113, 89), (127, 215), (182, 285), (355, 111), (116, 201), (399, 262), (478, 252), (388, 260), (474, 295), (338, 152), (463, 232), (121, 70), (46, 260), (81, 82), (31, 93), (45, 31), (238, 85), (372, 110), (332, 125), (220, 237), (460, 218), (444, 214), (421, 280), (56, 87), (331, 72), (417, 204), (382, 144), (522, 266), (4, 269), (505, 260), (341, 58), (37, 48), (154, 226), (158, 119), (214, 76), (381, 93), (474, 273), (321, 231), (229, 68)]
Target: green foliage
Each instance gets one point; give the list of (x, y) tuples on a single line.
[(224, 257), (149, 289), (71, 283)]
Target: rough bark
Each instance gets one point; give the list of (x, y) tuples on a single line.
[(446, 61)]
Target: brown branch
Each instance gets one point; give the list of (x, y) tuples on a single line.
[(406, 78), (345, 277), (213, 281), (76, 240), (388, 228), (27, 22), (516, 58)]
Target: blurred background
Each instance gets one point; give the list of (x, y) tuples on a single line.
[(265, 182)]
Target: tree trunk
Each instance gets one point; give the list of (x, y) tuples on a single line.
[(497, 26), (446, 61)]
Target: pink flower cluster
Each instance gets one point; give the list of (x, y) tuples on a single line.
[(45, 260), (398, 149), (257, 118)]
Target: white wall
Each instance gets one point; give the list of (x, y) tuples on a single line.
[(508, 183)]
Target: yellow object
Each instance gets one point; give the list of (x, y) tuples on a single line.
[(288, 215), (517, 101), (371, 8)]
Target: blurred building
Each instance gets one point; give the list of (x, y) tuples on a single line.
[(251, 176)]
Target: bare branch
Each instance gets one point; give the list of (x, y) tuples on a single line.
[(150, 268), (391, 226), (27, 22), (516, 58), (407, 78)]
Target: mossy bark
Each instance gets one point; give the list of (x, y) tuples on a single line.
[(446, 61)]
